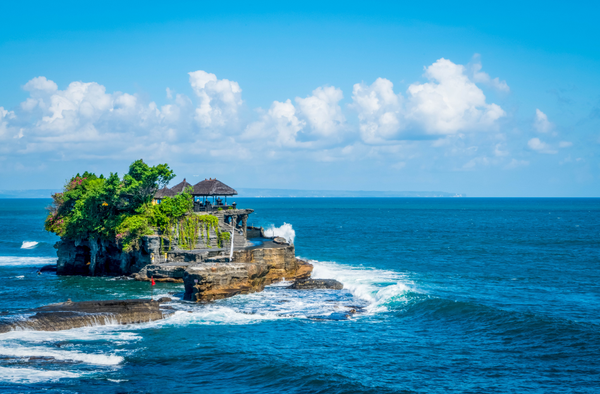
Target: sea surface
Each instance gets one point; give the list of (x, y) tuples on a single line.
[(456, 295)]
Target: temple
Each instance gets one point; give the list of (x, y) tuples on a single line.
[(210, 196), (211, 250)]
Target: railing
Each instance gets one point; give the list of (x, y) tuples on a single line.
[(208, 207)]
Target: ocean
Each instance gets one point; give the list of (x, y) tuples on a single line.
[(456, 295)]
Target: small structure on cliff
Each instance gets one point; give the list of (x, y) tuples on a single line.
[(161, 194), (214, 188)]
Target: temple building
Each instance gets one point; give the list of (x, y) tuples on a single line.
[(210, 196)]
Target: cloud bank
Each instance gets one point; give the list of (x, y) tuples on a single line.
[(449, 106)]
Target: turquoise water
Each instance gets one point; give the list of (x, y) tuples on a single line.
[(457, 296)]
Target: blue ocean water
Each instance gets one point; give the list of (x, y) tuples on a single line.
[(457, 296)]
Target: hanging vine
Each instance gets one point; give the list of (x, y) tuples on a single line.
[(192, 228)]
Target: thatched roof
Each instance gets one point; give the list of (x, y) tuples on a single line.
[(180, 187), (212, 187), (164, 192)]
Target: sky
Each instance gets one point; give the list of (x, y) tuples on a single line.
[(484, 99)]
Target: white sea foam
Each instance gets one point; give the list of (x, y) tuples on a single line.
[(41, 351), (29, 244), (97, 333), (215, 315), (377, 287), (25, 261), (30, 375), (285, 231)]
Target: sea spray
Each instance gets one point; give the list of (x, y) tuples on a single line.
[(285, 231)]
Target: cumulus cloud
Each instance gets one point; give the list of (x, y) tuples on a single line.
[(450, 102), (322, 110), (315, 121), (83, 120), (565, 144), (220, 99), (537, 145), (39, 85), (279, 126), (379, 110), (484, 78), (541, 123), (5, 116)]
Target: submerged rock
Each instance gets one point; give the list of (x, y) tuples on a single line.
[(67, 315), (317, 284)]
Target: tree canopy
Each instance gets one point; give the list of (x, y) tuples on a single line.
[(116, 208)]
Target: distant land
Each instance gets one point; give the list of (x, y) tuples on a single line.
[(254, 192), (34, 193)]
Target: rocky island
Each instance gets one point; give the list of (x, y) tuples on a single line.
[(138, 227)]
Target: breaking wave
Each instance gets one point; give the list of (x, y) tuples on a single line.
[(370, 290), (29, 244), (380, 289), (30, 375), (6, 261), (285, 231), (63, 355)]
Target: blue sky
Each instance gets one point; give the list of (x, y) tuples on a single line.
[(494, 99)]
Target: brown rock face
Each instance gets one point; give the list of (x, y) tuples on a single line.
[(208, 282), (67, 315), (281, 261)]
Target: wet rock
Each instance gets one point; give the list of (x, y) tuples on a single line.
[(67, 315), (48, 268), (317, 284), (280, 240)]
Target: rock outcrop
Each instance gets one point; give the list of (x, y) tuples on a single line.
[(99, 257), (69, 315), (213, 281), (317, 284)]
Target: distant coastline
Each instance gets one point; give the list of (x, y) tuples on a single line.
[(272, 193)]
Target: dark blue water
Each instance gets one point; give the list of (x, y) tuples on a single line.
[(457, 296)]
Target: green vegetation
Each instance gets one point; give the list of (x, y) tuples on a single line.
[(121, 209)]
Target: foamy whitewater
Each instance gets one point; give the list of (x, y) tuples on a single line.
[(285, 231), (29, 244), (458, 295)]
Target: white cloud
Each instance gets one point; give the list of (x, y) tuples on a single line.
[(83, 120), (40, 85), (5, 116), (565, 144), (279, 126), (322, 110), (541, 123), (450, 102), (484, 78), (220, 99), (379, 110), (537, 145)]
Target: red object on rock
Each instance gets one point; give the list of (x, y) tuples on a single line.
[(153, 283)]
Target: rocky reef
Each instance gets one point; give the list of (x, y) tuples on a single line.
[(69, 315)]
